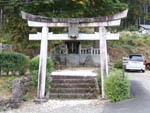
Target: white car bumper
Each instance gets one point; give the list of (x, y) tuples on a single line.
[(130, 67)]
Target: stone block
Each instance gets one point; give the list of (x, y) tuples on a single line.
[(72, 60), (17, 90)]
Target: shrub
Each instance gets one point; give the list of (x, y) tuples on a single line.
[(133, 28), (13, 62), (118, 65), (25, 98), (116, 87), (34, 66)]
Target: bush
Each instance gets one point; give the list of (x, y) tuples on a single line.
[(118, 65), (34, 66), (116, 87), (13, 62), (25, 98), (3, 41), (133, 28)]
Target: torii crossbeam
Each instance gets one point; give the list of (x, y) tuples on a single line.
[(73, 24)]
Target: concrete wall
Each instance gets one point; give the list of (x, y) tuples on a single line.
[(74, 60)]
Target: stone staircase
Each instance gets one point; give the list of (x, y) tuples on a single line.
[(73, 87)]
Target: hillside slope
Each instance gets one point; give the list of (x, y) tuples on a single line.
[(129, 43)]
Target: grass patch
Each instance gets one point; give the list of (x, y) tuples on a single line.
[(6, 86), (116, 87)]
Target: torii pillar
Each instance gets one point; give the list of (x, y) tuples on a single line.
[(103, 57), (42, 66)]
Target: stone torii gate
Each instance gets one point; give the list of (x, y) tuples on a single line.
[(72, 24)]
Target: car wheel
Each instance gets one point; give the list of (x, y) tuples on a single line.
[(143, 71)]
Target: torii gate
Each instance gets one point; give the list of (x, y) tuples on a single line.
[(73, 24)]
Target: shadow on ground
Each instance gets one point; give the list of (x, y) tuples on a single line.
[(140, 103)]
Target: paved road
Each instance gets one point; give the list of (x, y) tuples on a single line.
[(140, 103)]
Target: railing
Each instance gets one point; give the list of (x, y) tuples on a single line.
[(61, 50), (85, 51), (92, 51)]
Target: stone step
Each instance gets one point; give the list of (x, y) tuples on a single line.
[(71, 77), (72, 96), (73, 90), (72, 85), (73, 81)]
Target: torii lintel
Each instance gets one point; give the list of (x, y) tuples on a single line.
[(30, 17)]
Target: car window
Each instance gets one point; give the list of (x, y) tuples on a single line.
[(136, 58)]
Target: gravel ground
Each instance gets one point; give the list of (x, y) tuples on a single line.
[(62, 106), (143, 78)]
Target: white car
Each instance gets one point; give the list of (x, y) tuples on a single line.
[(135, 62)]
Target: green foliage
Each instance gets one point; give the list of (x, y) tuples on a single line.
[(116, 87), (118, 65), (25, 98), (34, 66), (10, 81), (129, 40), (133, 28), (6, 82), (3, 41), (13, 62), (136, 10), (134, 36)]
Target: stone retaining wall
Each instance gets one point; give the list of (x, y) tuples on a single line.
[(75, 60)]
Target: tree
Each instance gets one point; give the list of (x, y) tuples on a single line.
[(136, 10)]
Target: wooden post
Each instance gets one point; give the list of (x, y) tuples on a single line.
[(42, 66), (103, 57)]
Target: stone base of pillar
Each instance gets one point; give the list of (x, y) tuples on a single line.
[(104, 98), (40, 101)]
